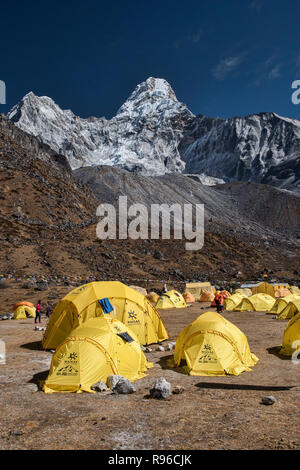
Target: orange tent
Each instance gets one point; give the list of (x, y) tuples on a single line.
[(188, 297), (207, 297), (152, 297), (282, 292), (19, 304)]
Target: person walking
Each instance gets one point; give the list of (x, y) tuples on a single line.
[(38, 309)]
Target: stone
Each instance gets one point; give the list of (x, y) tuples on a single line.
[(112, 380), (99, 386), (123, 386), (161, 389), (178, 389), (268, 400), (160, 348)]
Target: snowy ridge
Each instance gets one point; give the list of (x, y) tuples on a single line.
[(153, 133)]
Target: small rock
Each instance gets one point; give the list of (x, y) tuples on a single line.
[(16, 433), (178, 389), (112, 380), (123, 386), (99, 386), (148, 350), (160, 348), (161, 389), (269, 400), (170, 346), (5, 317)]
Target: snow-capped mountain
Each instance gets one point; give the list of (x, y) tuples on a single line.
[(144, 135), (156, 134)]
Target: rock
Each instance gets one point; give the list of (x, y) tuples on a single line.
[(160, 348), (112, 380), (5, 317), (41, 286), (161, 389), (170, 346), (178, 389), (3, 284), (268, 400), (123, 386), (147, 350), (99, 386), (16, 433)]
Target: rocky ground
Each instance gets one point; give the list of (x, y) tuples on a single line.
[(211, 413)]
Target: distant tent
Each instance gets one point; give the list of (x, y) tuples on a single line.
[(282, 292), (197, 288), (139, 289), (255, 303), (188, 297), (291, 309), (295, 290), (24, 310), (211, 345), (207, 297), (93, 351), (264, 288), (291, 337), (97, 299), (245, 292), (153, 297), (171, 299), (281, 303), (231, 302)]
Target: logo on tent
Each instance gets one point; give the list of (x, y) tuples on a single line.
[(67, 370), (207, 355), (132, 315)]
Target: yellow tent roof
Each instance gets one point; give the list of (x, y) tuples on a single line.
[(255, 303), (290, 336), (171, 299), (233, 301), (82, 303), (295, 290), (264, 288), (211, 345), (23, 311), (196, 288), (290, 309), (93, 351), (281, 303)]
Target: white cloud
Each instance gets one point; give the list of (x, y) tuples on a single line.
[(226, 66)]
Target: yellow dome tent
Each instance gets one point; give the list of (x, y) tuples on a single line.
[(171, 299), (24, 310), (231, 302), (255, 303), (264, 288), (197, 288), (295, 290), (93, 351), (291, 309), (211, 345), (281, 303), (82, 303), (245, 292), (290, 336)]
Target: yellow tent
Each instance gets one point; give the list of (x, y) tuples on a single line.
[(171, 299), (93, 351), (245, 292), (255, 303), (295, 290), (264, 288), (153, 297), (23, 311), (82, 303), (197, 288), (291, 335), (290, 310), (282, 292), (281, 303), (211, 345), (233, 301)]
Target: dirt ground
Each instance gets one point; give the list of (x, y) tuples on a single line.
[(211, 413)]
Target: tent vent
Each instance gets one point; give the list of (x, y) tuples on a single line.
[(126, 337)]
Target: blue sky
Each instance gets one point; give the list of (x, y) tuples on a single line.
[(222, 57)]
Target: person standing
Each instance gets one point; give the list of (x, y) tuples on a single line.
[(48, 311), (38, 309)]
